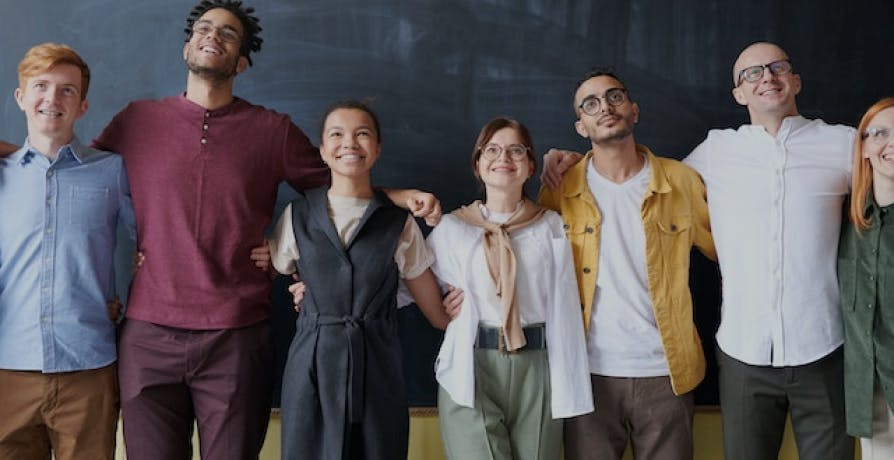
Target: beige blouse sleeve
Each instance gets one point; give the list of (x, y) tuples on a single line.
[(412, 256), (282, 244)]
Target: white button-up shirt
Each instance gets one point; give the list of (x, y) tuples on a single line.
[(775, 205)]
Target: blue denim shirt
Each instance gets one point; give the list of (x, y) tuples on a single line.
[(58, 231)]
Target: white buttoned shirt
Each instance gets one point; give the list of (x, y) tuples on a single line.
[(775, 205)]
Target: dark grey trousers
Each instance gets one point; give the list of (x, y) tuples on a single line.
[(754, 402)]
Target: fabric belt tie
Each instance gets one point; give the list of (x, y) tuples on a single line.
[(353, 329), (493, 338)]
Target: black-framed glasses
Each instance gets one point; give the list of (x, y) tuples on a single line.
[(226, 33), (756, 72), (877, 136), (613, 97), (515, 152)]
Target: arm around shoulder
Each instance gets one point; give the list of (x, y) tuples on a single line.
[(427, 295), (6, 148), (703, 239)]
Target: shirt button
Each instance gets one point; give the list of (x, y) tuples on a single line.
[(565, 226), (871, 278), (586, 270), (207, 114), (589, 229), (205, 127), (869, 306), (49, 173), (204, 141)]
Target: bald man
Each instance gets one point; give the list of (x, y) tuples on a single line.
[(775, 193)]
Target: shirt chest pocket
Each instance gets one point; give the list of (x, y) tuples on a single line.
[(674, 233), (582, 236), (88, 208)]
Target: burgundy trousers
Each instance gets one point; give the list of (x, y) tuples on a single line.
[(171, 377)]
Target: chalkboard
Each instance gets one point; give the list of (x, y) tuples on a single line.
[(439, 69)]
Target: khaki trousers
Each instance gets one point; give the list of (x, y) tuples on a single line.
[(71, 414), (512, 417)]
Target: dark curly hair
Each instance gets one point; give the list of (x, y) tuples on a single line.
[(250, 24)]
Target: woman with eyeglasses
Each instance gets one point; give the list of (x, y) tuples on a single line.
[(866, 277), (513, 362)]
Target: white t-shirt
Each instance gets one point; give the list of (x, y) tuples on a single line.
[(623, 338)]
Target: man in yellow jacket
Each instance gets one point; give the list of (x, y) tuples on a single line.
[(632, 219)]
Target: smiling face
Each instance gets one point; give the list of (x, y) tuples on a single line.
[(612, 123), (879, 146), (503, 172), (771, 95), (350, 144), (52, 101), (213, 51)]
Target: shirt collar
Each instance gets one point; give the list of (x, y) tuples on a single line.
[(198, 109), (75, 149), (871, 207), (658, 182), (789, 125), (577, 174)]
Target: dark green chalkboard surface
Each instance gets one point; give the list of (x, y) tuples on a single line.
[(439, 69)]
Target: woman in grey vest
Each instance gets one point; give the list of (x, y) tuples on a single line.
[(343, 390)]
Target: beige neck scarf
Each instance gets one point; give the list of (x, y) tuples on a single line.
[(501, 261)]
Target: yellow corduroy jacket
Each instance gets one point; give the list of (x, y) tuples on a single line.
[(675, 218)]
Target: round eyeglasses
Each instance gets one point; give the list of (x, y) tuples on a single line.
[(877, 136), (613, 97), (756, 72), (226, 33), (515, 152)]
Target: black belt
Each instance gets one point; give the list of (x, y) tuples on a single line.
[(491, 338)]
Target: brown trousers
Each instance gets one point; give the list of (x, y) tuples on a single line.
[(72, 414), (644, 410)]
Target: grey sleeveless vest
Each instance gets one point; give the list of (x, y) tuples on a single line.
[(343, 391)]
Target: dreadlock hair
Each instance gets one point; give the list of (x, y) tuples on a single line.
[(250, 24)]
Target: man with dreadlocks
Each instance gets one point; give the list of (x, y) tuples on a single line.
[(204, 167)]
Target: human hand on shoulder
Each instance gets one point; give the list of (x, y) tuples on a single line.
[(6, 148), (426, 206), (555, 163)]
